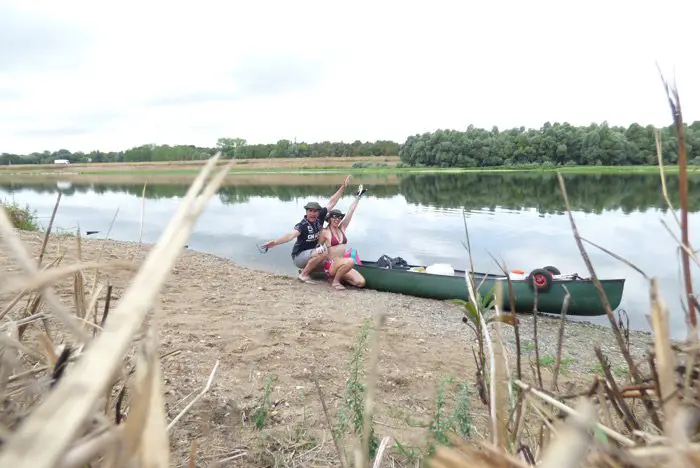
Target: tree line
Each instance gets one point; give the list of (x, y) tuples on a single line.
[(230, 148), (551, 145), (589, 193)]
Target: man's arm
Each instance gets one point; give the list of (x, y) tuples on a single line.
[(339, 193), (282, 240)]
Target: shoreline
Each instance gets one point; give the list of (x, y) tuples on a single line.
[(371, 165), (145, 246), (263, 325), (188, 253)]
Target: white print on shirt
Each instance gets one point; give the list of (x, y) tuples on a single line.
[(311, 235)]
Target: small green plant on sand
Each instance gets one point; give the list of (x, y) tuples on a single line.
[(260, 413), (620, 371), (459, 422), (351, 413), (21, 218), (411, 454), (443, 423), (547, 360), (550, 361)]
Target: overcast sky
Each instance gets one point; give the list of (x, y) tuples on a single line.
[(84, 75)]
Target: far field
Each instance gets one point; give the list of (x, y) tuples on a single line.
[(185, 170), (187, 166)]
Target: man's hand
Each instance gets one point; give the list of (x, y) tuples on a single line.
[(338, 193), (285, 238)]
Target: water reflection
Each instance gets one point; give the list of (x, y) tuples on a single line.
[(589, 193), (516, 217)]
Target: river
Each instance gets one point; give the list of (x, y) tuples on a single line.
[(518, 218)]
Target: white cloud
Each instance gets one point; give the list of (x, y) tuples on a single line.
[(85, 75)]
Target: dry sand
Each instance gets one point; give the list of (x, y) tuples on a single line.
[(261, 325)]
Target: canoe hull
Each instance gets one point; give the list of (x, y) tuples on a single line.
[(585, 300)]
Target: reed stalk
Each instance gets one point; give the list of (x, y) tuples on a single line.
[(606, 427), (56, 431)]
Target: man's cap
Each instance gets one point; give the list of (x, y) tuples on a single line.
[(312, 206)]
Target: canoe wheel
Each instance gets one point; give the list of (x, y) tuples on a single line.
[(541, 279)]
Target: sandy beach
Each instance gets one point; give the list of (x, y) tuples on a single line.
[(263, 326)]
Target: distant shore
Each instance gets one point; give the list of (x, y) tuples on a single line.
[(300, 166)]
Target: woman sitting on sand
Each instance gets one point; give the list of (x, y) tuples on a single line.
[(341, 260)]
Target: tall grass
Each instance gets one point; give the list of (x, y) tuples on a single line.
[(21, 218), (654, 421), (86, 372)]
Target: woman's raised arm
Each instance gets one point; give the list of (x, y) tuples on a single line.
[(348, 217)]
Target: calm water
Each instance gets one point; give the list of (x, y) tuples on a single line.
[(518, 218)]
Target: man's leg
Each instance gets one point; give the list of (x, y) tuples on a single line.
[(314, 262), (307, 261)]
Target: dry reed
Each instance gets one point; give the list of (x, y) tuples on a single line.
[(63, 402), (653, 422)]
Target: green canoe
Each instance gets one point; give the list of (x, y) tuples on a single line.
[(584, 301)]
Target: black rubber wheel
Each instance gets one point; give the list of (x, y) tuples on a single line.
[(552, 269), (540, 279)]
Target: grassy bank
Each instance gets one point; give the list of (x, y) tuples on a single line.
[(23, 218), (301, 166), (194, 166)]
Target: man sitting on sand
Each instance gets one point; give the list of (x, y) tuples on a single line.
[(306, 254)]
